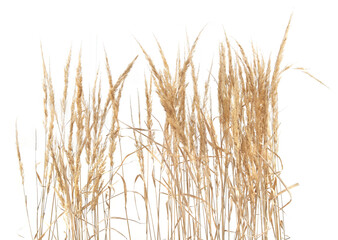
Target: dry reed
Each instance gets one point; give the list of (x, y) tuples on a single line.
[(203, 176)]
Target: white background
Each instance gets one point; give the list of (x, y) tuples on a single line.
[(308, 111)]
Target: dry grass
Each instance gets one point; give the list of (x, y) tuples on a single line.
[(201, 175)]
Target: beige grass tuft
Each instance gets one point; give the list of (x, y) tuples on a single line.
[(209, 170)]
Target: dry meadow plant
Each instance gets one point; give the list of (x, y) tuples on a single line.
[(209, 170)]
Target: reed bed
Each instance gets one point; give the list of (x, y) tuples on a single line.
[(207, 165)]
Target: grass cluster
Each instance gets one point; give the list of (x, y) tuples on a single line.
[(203, 172)]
